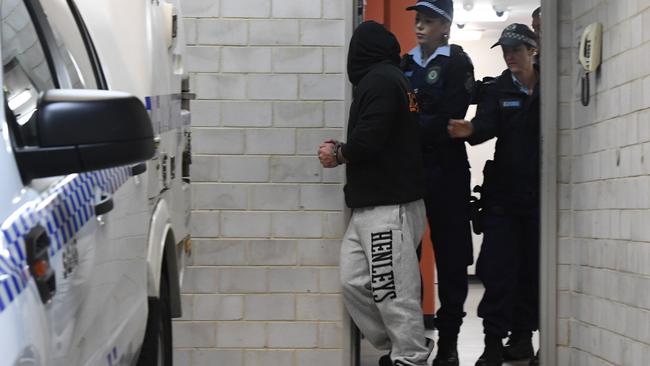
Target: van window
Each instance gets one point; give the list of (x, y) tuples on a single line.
[(24, 64), (70, 44)]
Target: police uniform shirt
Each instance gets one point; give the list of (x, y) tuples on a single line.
[(509, 111), (444, 84)]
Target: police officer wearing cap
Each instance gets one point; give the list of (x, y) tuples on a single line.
[(442, 75), (508, 264)]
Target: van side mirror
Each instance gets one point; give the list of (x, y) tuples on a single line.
[(84, 130)]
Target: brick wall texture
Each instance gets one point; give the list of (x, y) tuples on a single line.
[(604, 226), (262, 286)]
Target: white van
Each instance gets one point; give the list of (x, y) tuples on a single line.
[(95, 191)]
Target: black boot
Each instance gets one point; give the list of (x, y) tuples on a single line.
[(519, 346), (535, 360), (493, 353), (447, 352)]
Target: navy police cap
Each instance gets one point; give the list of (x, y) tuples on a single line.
[(444, 8), (516, 34)]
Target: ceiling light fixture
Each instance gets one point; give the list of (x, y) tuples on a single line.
[(480, 13)]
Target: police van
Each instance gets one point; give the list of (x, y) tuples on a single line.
[(94, 188)]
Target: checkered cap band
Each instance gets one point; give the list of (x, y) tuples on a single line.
[(435, 8), (519, 37)]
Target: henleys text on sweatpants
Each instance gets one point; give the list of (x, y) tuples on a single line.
[(382, 275)]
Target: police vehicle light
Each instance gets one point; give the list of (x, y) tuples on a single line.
[(40, 268)]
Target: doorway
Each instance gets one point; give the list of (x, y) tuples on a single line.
[(476, 37)]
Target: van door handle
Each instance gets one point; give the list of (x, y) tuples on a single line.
[(105, 205), (138, 169)]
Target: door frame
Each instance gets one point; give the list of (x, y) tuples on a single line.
[(549, 189), (549, 175)]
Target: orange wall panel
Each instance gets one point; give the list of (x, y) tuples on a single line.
[(393, 14), (400, 22), (375, 10)]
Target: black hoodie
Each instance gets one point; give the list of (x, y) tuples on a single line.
[(383, 143)]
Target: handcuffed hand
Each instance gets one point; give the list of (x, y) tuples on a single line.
[(327, 154), (459, 128)]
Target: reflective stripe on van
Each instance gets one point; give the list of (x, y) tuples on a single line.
[(62, 211)]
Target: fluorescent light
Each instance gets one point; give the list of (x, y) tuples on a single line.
[(480, 13), (465, 35)]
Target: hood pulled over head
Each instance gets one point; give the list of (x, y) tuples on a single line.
[(371, 44)]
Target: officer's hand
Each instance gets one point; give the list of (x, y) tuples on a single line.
[(459, 129), (326, 154)]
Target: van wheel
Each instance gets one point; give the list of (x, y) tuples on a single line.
[(157, 345)]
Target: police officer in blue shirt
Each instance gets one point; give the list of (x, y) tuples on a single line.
[(442, 75), (508, 264)]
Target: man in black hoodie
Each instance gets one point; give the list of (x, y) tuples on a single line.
[(385, 185)]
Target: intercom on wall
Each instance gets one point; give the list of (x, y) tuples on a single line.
[(590, 55)]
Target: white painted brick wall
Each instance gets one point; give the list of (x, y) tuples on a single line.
[(293, 335), (219, 196), (265, 358), (604, 238), (246, 59), (247, 114), (218, 307), (241, 335), (273, 87), (210, 86), (202, 59), (270, 307), (296, 9), (274, 32), (322, 87), (219, 32), (262, 287), (298, 60), (219, 252), (216, 357), (271, 141), (245, 8), (275, 197), (244, 169), (298, 114), (200, 8), (273, 252), (323, 32), (205, 113)]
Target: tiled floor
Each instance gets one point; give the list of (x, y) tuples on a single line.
[(470, 345)]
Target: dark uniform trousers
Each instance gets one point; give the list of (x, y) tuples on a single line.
[(444, 89), (447, 204), (508, 266)]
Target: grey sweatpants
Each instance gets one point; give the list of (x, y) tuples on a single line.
[(381, 278)]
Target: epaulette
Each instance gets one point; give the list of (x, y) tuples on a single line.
[(489, 80), (458, 51), (481, 87)]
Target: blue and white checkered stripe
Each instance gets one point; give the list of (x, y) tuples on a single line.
[(165, 112), (62, 211)]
